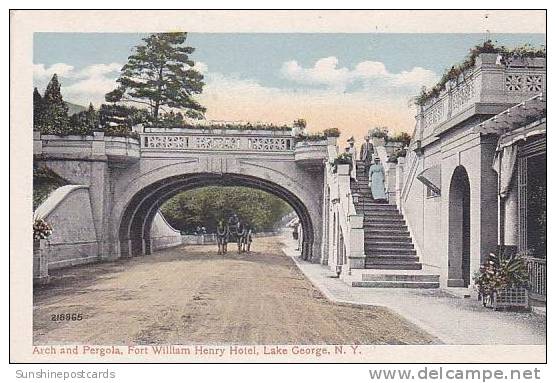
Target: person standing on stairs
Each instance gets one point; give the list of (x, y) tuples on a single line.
[(376, 180), (366, 152), (351, 150)]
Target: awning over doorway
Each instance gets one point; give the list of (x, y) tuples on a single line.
[(523, 133), (506, 152), (431, 177), (514, 117)]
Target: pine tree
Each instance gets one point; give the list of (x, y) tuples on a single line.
[(56, 119), (160, 74), (38, 110)]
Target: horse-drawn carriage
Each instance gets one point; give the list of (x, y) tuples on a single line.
[(234, 231)]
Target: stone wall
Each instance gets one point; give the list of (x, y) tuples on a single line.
[(428, 215), (163, 235), (73, 241)]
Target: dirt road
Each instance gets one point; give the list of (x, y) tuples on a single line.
[(191, 295)]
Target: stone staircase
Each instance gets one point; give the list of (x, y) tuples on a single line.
[(390, 257)]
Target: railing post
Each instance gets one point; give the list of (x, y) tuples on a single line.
[(399, 181), (354, 236), (99, 146), (356, 255), (37, 143)]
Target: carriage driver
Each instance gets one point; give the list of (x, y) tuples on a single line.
[(233, 220)]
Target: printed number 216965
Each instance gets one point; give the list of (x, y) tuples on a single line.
[(66, 317)]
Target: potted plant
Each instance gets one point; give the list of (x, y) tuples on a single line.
[(502, 282), (342, 159), (379, 136), (41, 232), (41, 229)]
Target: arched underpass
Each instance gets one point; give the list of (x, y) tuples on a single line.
[(135, 227)]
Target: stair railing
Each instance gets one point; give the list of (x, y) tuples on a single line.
[(349, 224)]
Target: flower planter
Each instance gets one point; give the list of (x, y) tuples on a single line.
[(515, 297), (508, 298)]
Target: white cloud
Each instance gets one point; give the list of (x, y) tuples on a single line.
[(88, 84), (98, 70), (325, 72), (415, 77), (370, 69), (366, 73), (40, 72)]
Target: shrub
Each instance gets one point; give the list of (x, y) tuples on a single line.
[(342, 159), (331, 132), (85, 122), (312, 137), (402, 137), (500, 272), (41, 229), (300, 123), (397, 154), (379, 132)]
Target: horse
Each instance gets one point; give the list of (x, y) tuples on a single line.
[(246, 239), (222, 235)]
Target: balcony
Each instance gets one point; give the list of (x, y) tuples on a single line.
[(311, 153), (486, 89), (98, 146)]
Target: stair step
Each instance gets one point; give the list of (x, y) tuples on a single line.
[(376, 207), (394, 259), (405, 244), (391, 251), (372, 226), (380, 277), (394, 266), (385, 220), (396, 284), (406, 251), (394, 236), (387, 236), (380, 213)]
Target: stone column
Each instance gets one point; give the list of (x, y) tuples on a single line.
[(511, 212), (98, 184)]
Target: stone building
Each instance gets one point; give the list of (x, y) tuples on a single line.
[(478, 151)]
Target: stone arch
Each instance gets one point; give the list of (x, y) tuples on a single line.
[(134, 219), (459, 229)]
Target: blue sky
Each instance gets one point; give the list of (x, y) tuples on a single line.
[(366, 78)]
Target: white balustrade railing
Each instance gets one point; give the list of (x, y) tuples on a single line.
[(227, 141), (345, 234)]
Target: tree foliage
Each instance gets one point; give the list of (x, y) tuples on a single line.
[(379, 132), (117, 120), (160, 74), (50, 112), (402, 137), (85, 122), (45, 181), (208, 205), (38, 110)]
